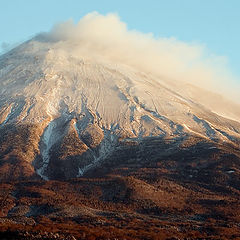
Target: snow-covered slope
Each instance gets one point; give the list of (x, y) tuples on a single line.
[(81, 108)]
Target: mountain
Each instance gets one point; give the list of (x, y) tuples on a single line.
[(62, 115), (93, 148)]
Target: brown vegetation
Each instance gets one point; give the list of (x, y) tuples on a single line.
[(192, 193)]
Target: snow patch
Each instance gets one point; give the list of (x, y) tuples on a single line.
[(107, 146), (195, 133), (212, 148), (8, 116), (76, 128), (48, 141)]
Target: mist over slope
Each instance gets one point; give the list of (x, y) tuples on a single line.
[(97, 36)]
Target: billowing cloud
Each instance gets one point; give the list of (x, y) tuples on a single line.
[(107, 37)]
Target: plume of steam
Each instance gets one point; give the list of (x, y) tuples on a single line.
[(107, 37)]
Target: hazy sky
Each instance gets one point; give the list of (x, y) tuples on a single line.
[(213, 23)]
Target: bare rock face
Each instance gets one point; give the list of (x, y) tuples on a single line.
[(92, 135), (62, 116)]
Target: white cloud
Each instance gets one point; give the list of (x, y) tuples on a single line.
[(107, 37)]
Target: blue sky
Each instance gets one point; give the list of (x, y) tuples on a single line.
[(213, 23)]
